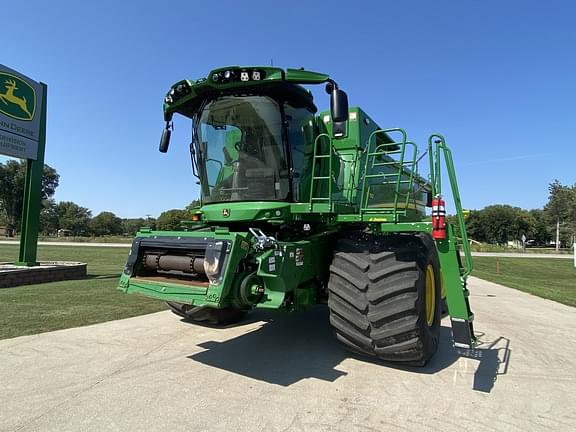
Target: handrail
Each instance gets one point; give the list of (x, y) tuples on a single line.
[(315, 157), (435, 180), (400, 163)]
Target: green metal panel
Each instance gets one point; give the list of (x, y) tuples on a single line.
[(453, 278), (245, 211), (302, 76), (289, 266)]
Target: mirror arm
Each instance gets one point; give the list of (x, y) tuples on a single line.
[(331, 85)]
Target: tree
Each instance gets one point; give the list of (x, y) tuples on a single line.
[(12, 175), (170, 220), (105, 223), (193, 206), (475, 227), (131, 226), (500, 224), (541, 232), (73, 217), (49, 218), (561, 206)]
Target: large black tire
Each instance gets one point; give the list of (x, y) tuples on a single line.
[(204, 315), (377, 297)]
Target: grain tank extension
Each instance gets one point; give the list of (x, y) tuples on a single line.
[(300, 208)]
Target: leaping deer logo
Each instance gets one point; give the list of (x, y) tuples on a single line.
[(10, 98)]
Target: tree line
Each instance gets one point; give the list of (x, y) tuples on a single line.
[(554, 224), (66, 217)]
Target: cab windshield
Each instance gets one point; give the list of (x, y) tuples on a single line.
[(241, 154)]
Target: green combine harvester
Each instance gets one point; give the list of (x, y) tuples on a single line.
[(300, 208)]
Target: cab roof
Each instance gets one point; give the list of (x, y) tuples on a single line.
[(186, 96)]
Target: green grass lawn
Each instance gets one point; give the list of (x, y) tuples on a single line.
[(554, 279), (40, 308)]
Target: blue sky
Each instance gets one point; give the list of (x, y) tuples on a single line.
[(497, 78)]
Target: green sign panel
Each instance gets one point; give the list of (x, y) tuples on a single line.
[(20, 99)]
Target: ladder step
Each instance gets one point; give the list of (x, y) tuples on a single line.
[(385, 152), (390, 163)]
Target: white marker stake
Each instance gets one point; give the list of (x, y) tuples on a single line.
[(574, 248)]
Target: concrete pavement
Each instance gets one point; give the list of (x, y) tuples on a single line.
[(287, 373)]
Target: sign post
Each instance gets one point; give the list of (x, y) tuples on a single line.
[(23, 135), (524, 243)]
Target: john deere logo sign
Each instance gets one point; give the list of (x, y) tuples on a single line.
[(21, 105), (17, 97)]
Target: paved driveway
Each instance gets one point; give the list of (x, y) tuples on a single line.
[(286, 373)]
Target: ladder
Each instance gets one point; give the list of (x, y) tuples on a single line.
[(324, 199), (454, 271)]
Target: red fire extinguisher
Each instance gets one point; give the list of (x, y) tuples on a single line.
[(438, 218)]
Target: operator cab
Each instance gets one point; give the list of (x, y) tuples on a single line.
[(252, 148), (253, 139), (241, 154)]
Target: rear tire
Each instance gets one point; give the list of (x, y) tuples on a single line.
[(205, 315), (380, 301)]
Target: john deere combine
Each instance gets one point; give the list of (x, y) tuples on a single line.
[(300, 208)]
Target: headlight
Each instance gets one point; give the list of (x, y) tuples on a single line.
[(214, 261)]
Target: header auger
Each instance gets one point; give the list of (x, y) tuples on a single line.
[(300, 208)]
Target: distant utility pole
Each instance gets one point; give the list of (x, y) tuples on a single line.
[(557, 234)]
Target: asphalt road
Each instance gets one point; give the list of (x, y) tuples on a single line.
[(287, 373)]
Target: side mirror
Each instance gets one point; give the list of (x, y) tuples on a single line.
[(165, 140), (338, 105)]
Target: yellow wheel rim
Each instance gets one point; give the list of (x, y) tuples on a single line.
[(430, 295)]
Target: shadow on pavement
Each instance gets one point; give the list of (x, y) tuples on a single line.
[(294, 346), (286, 349), (494, 359), (291, 347)]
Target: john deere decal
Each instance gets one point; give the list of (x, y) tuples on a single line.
[(17, 98)]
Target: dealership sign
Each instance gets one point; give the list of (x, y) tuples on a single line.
[(20, 102)]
